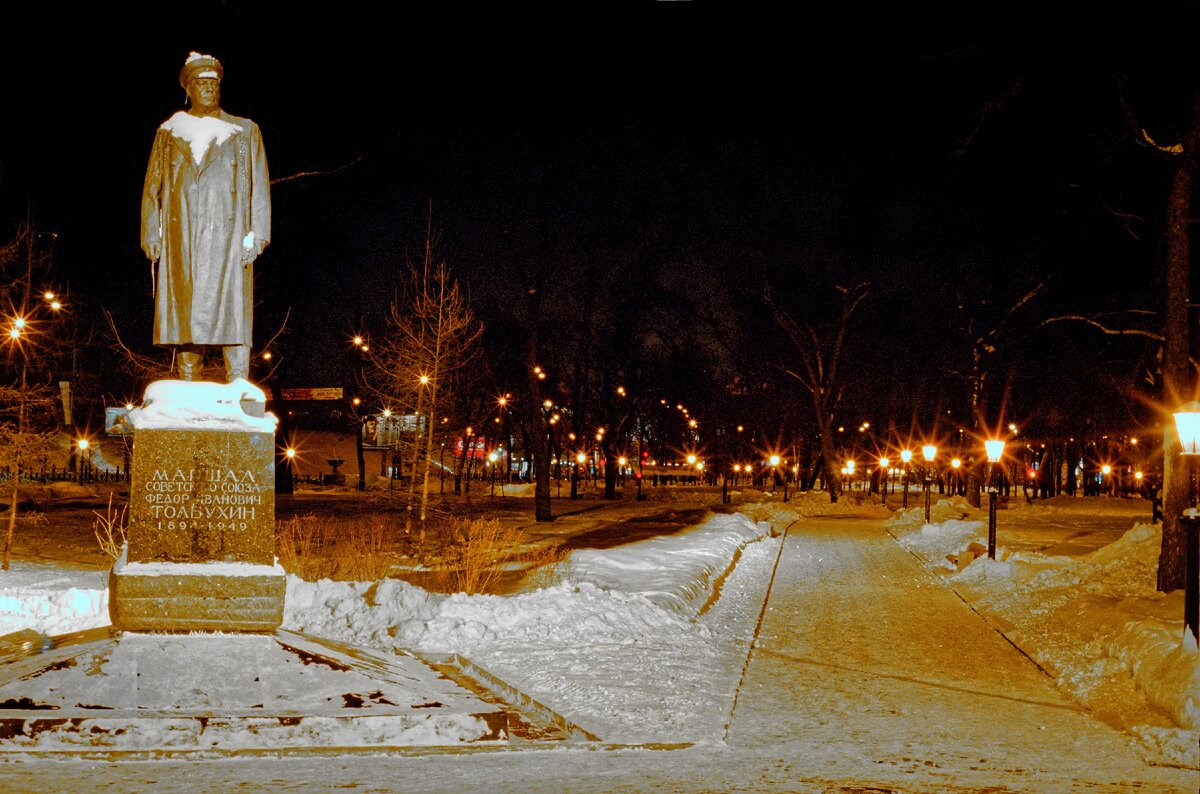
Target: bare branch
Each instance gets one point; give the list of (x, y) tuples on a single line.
[(1104, 329), (304, 174)]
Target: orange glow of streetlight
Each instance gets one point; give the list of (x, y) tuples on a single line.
[(906, 455)]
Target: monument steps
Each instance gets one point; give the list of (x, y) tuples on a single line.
[(111, 691)]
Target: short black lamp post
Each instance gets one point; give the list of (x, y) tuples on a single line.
[(1187, 423), (929, 452), (995, 450), (81, 458)]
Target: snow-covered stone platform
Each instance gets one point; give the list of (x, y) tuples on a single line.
[(106, 691)]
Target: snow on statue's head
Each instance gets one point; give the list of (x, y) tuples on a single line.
[(198, 65)]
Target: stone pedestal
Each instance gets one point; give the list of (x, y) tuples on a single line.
[(201, 536)]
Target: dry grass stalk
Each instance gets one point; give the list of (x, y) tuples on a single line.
[(474, 553), (363, 550), (326, 547), (110, 529), (543, 566)]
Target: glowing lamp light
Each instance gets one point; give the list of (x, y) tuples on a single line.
[(930, 452), (291, 453), (774, 460), (424, 380), (955, 463), (621, 461), (906, 455), (884, 462), (581, 458), (1137, 475), (82, 443), (849, 467), (1106, 470), (1187, 424), (691, 459), (492, 457), (994, 448)]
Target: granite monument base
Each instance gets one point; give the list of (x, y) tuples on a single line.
[(200, 554)]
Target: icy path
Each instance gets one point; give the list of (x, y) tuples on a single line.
[(870, 675)]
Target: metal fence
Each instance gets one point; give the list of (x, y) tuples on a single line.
[(86, 474)]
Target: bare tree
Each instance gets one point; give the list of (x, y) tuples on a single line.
[(28, 425), (432, 335), (819, 355)]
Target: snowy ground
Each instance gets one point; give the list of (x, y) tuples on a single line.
[(647, 643)]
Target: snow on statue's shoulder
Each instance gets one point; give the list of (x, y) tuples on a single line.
[(201, 405), (199, 131)]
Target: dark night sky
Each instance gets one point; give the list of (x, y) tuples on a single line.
[(730, 131)]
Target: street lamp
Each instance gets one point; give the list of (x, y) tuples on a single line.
[(955, 465), (994, 449), (82, 444), (906, 457), (1187, 424), (929, 451), (774, 462), (884, 464)]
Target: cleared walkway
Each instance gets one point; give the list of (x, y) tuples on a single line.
[(881, 666)]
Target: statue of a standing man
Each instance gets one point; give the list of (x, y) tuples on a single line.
[(206, 216)]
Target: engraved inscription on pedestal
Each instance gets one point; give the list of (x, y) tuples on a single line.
[(202, 496)]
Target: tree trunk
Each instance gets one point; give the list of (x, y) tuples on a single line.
[(1177, 374)]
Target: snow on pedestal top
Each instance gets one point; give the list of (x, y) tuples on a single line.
[(201, 405)]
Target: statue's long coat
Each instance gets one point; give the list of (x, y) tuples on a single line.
[(201, 213)]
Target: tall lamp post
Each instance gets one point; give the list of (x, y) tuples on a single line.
[(1187, 424), (929, 452), (995, 449), (883, 479), (906, 458), (774, 461)]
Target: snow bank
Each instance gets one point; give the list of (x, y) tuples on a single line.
[(677, 572), (630, 591), (52, 610), (1066, 612)]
